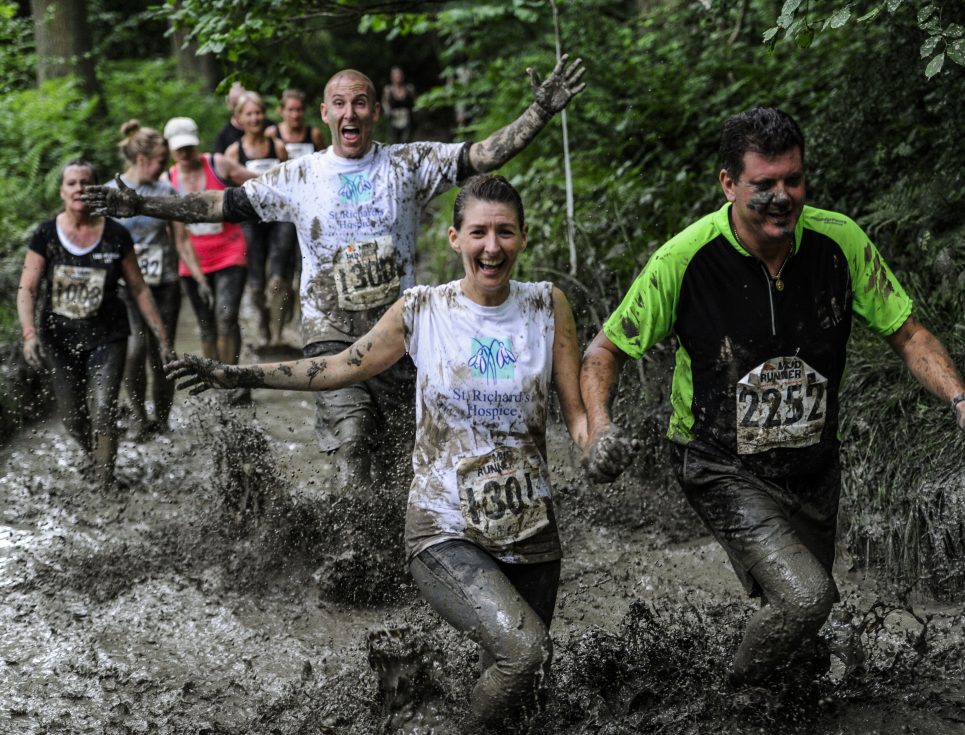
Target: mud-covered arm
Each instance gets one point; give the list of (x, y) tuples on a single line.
[(930, 363), (145, 304), (30, 277), (566, 369), (378, 350), (549, 97), (609, 451)]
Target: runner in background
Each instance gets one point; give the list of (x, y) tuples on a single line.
[(398, 101), (272, 246), (80, 258), (482, 541), (157, 245), (220, 247)]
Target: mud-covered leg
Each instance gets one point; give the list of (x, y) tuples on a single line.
[(799, 594), (467, 587), (105, 370), (279, 307), (135, 378), (70, 381)]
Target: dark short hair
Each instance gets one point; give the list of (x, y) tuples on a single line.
[(79, 163), (764, 130), (487, 188)]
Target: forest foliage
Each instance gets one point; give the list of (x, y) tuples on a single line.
[(882, 117)]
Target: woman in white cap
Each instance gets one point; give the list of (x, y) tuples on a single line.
[(220, 246)]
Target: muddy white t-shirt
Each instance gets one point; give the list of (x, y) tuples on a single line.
[(357, 223), (480, 450)]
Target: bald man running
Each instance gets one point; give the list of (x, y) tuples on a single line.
[(357, 207)]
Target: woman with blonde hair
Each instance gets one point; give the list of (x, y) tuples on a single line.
[(158, 245)]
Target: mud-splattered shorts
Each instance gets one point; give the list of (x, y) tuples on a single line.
[(379, 411), (754, 518)]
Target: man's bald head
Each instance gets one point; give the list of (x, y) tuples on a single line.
[(352, 77)]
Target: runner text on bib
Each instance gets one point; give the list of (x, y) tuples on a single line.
[(77, 292), (150, 259), (780, 403), (366, 274), (297, 150), (499, 494), (260, 165)]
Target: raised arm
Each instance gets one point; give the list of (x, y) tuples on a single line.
[(609, 451), (566, 369), (549, 97), (930, 363), (378, 350), (202, 206)]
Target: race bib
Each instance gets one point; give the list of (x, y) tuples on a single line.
[(400, 117), (205, 228), (77, 292), (366, 274), (260, 165), (501, 495), (780, 403), (150, 259), (297, 150)]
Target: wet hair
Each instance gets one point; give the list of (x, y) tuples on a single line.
[(245, 99), (145, 141), (487, 188), (80, 163), (764, 130), (291, 94)]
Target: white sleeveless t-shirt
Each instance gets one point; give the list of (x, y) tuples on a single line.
[(482, 392)]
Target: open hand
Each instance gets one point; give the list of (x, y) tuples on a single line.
[(205, 294), (201, 373), (610, 452), (108, 201), (562, 85), (33, 352)]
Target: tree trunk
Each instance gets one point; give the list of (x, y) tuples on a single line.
[(191, 66), (64, 44)]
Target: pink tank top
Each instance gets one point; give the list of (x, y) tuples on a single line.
[(219, 245)]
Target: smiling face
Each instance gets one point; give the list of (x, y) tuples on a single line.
[(350, 111), (489, 240), (72, 184), (767, 198), (252, 117)]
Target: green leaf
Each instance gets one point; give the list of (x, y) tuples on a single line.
[(929, 46), (871, 14), (934, 66), (790, 6), (770, 33), (839, 18), (805, 37), (954, 30), (893, 5), (956, 51), (784, 21), (925, 14)]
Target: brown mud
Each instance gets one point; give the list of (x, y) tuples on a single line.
[(226, 588)]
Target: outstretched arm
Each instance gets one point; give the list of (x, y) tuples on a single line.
[(202, 206), (378, 350), (550, 96), (609, 450), (930, 363), (566, 369)]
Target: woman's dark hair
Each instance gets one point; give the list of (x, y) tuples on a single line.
[(80, 163), (487, 188), (763, 130)]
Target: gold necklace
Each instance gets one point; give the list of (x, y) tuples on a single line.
[(776, 278)]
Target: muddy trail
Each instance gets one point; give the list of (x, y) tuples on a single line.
[(225, 588)]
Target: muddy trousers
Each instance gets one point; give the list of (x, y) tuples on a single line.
[(86, 383), (779, 535), (506, 609)]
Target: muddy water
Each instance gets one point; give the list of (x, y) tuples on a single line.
[(188, 603)]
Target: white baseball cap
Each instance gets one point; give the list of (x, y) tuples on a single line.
[(181, 132)]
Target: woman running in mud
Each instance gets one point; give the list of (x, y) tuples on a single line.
[(157, 245), (481, 535), (83, 331), (272, 246), (220, 247)]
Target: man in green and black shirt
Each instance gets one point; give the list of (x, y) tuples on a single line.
[(760, 297)]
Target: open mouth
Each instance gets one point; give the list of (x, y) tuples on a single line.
[(350, 134), (490, 265)]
